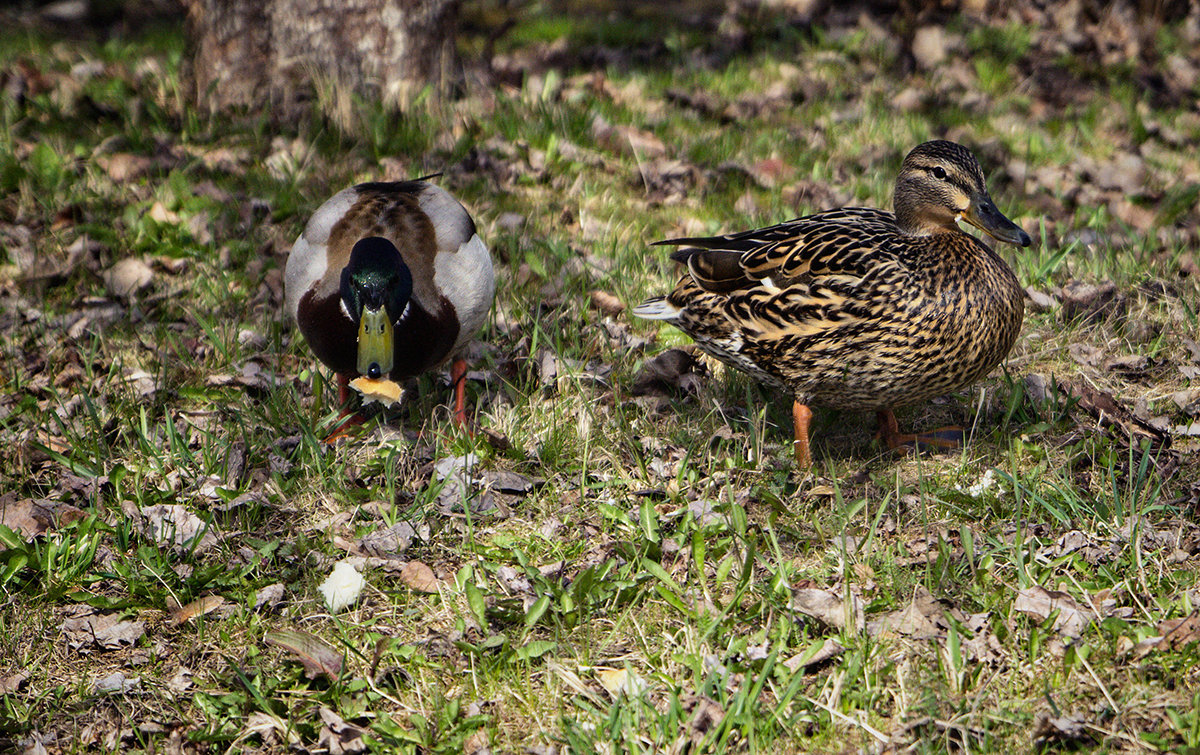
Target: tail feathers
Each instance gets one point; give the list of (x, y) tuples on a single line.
[(657, 308)]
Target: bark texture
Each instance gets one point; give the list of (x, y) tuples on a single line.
[(276, 54)]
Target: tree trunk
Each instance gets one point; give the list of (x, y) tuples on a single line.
[(276, 54)]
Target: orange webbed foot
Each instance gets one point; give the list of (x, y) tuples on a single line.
[(942, 439)]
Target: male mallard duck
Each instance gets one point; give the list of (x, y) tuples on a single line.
[(390, 280), (859, 308)]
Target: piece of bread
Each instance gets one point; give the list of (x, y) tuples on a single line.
[(386, 392)]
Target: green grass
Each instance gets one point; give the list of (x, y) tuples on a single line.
[(642, 597)]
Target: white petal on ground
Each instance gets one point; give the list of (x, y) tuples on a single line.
[(342, 587), (985, 484)]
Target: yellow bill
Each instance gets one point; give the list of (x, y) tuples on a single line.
[(375, 344)]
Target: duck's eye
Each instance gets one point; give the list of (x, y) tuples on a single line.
[(939, 172)]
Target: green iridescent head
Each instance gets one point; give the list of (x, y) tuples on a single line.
[(376, 288)]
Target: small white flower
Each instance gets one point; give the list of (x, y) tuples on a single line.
[(342, 587), (985, 484)]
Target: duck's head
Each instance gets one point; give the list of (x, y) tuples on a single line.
[(941, 183), (376, 288)]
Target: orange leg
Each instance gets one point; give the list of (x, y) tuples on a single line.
[(889, 429), (943, 438), (343, 381), (801, 416), (458, 375), (351, 418)]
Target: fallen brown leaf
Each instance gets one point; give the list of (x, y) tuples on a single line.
[(627, 140), (669, 181), (117, 682), (770, 172), (701, 101), (1188, 401), (181, 681), (1063, 730), (1085, 354), (463, 487), (909, 621), (11, 684), (199, 607), (929, 46), (509, 482), (1111, 414), (318, 657), (339, 737), (1091, 302), (1179, 633), (1129, 365), (127, 277), (984, 646), (388, 541), (668, 374), (1041, 301), (828, 608), (123, 166), (1140, 331), (707, 714), (1040, 603), (510, 221), (815, 655), (1191, 431), (547, 368), (173, 524), (419, 577), (1076, 541), (30, 518), (1192, 347), (106, 631), (606, 302), (271, 729), (159, 213), (1037, 388), (478, 743), (268, 597), (1188, 266)]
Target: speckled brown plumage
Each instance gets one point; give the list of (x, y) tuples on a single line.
[(860, 308)]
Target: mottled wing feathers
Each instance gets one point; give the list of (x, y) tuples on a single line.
[(760, 299), (845, 243)]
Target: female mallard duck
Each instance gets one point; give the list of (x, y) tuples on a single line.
[(859, 308), (390, 280)]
